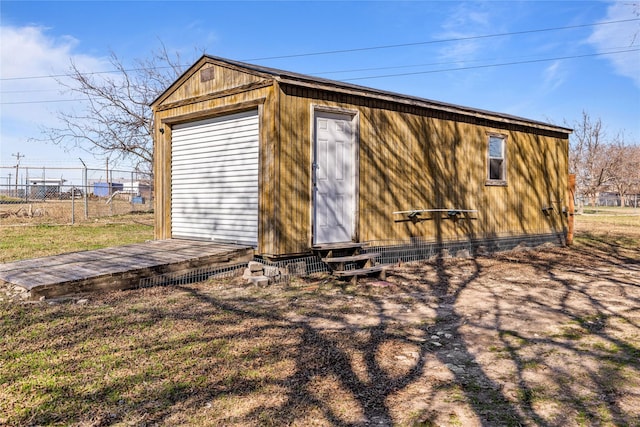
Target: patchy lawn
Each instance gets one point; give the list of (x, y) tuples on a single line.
[(37, 240), (546, 337)]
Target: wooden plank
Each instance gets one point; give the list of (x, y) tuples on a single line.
[(215, 95), (334, 246), (353, 258), (270, 142), (571, 208), (359, 271), (435, 210), (213, 112), (116, 268)]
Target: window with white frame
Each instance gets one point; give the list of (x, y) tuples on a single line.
[(497, 171)]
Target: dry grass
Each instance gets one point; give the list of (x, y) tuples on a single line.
[(546, 337), (37, 240), (63, 212)]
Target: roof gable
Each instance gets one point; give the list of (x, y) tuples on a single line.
[(208, 75)]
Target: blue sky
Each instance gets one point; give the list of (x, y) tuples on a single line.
[(40, 39)]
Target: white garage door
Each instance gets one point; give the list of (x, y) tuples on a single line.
[(214, 179)]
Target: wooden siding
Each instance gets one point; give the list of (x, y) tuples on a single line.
[(192, 103), (217, 79), (410, 157)]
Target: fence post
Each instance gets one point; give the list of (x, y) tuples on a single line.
[(109, 185), (571, 207), (26, 186), (44, 187), (85, 186), (131, 194), (73, 205)]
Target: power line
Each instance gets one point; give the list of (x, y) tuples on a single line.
[(29, 91), (457, 39), (560, 58), (319, 73), (41, 102), (354, 70), (53, 76), (503, 64), (331, 52)]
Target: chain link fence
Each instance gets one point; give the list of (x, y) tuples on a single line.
[(57, 195)]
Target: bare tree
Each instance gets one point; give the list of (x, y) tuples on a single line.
[(589, 158), (635, 173), (117, 121), (625, 175)]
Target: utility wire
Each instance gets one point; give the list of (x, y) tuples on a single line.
[(29, 91), (331, 52), (503, 64), (357, 70), (392, 46), (43, 102), (353, 70), (491, 65)]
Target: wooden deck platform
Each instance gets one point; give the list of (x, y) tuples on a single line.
[(115, 268)]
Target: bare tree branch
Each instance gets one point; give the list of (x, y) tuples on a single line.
[(116, 119)]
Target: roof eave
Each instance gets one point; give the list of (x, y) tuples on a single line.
[(419, 102), (296, 79)]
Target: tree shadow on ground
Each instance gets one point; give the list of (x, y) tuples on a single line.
[(322, 352), (520, 338)]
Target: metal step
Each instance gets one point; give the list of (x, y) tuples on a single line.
[(352, 258)]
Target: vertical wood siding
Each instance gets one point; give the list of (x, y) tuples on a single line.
[(221, 78), (409, 158), (415, 159)]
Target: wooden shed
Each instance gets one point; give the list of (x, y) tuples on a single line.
[(287, 163)]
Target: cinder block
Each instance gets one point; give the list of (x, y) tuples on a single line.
[(249, 274), (255, 266), (259, 280)]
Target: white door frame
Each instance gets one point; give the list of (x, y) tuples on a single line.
[(354, 116)]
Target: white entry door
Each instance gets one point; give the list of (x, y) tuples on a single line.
[(334, 178)]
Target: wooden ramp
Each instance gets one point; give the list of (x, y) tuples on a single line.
[(115, 268)]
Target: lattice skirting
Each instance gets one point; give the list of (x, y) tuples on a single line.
[(391, 252)]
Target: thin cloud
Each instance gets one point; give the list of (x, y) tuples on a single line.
[(30, 51), (554, 76), (625, 34), (466, 20)]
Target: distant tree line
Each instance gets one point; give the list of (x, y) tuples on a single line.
[(602, 164)]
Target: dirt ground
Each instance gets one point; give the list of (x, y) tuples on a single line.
[(535, 337), (544, 337)]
